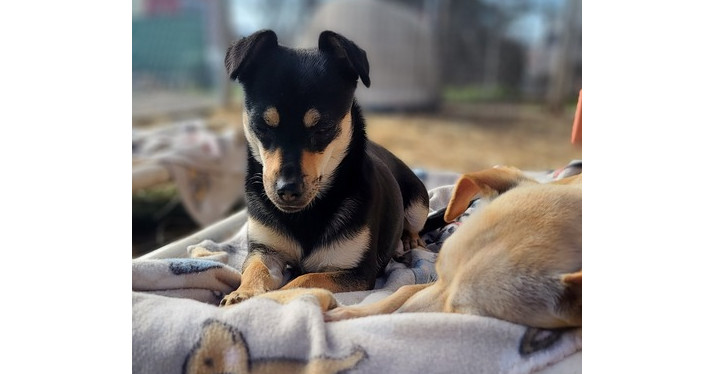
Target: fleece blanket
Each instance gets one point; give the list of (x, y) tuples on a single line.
[(178, 328), (207, 167)]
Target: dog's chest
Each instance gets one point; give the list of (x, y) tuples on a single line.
[(338, 245), (340, 253)]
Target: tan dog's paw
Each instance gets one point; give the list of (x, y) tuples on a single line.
[(344, 312), (239, 295)]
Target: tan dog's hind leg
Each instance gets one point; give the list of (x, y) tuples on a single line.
[(325, 298), (384, 306), (335, 281)]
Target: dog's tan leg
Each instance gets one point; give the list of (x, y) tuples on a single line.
[(384, 306), (261, 274), (325, 298), (335, 281)]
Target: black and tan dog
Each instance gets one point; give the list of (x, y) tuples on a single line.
[(323, 201)]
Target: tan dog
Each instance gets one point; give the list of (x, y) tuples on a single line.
[(518, 260)]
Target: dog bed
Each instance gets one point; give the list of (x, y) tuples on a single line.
[(177, 326)]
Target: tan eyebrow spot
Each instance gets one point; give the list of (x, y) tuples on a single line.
[(311, 117), (271, 116)]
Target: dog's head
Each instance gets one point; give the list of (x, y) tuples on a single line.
[(297, 114)]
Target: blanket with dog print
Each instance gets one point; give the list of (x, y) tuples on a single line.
[(177, 326)]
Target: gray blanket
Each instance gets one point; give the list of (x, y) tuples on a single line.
[(178, 328)]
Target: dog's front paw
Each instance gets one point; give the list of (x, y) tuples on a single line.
[(237, 296), (411, 241)]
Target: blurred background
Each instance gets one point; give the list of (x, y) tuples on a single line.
[(457, 86)]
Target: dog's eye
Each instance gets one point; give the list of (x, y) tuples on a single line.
[(322, 130), (261, 127)]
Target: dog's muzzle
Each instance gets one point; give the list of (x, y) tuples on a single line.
[(289, 190)]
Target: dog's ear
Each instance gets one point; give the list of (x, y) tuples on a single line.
[(242, 53), (352, 57), (570, 299), (573, 180), (572, 279), (487, 183)]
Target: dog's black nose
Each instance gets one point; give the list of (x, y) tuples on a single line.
[(288, 189)]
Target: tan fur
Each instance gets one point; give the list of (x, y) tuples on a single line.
[(519, 260), (324, 297), (222, 349), (311, 117), (264, 273), (318, 168), (487, 183), (271, 170), (257, 278), (325, 281), (253, 144), (270, 115)]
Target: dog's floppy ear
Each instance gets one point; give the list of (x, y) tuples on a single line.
[(242, 53), (488, 183), (573, 180), (353, 58)]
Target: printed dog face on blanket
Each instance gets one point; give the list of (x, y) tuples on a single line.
[(518, 260), (223, 350), (322, 199)]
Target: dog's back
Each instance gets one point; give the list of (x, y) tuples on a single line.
[(520, 258)]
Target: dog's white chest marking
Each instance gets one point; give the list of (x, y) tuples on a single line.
[(340, 254), (287, 247)]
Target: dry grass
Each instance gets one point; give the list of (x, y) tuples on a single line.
[(471, 137)]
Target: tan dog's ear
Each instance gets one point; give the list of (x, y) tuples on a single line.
[(572, 180), (486, 183), (570, 300), (572, 279)]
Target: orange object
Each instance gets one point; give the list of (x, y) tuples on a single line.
[(576, 131)]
